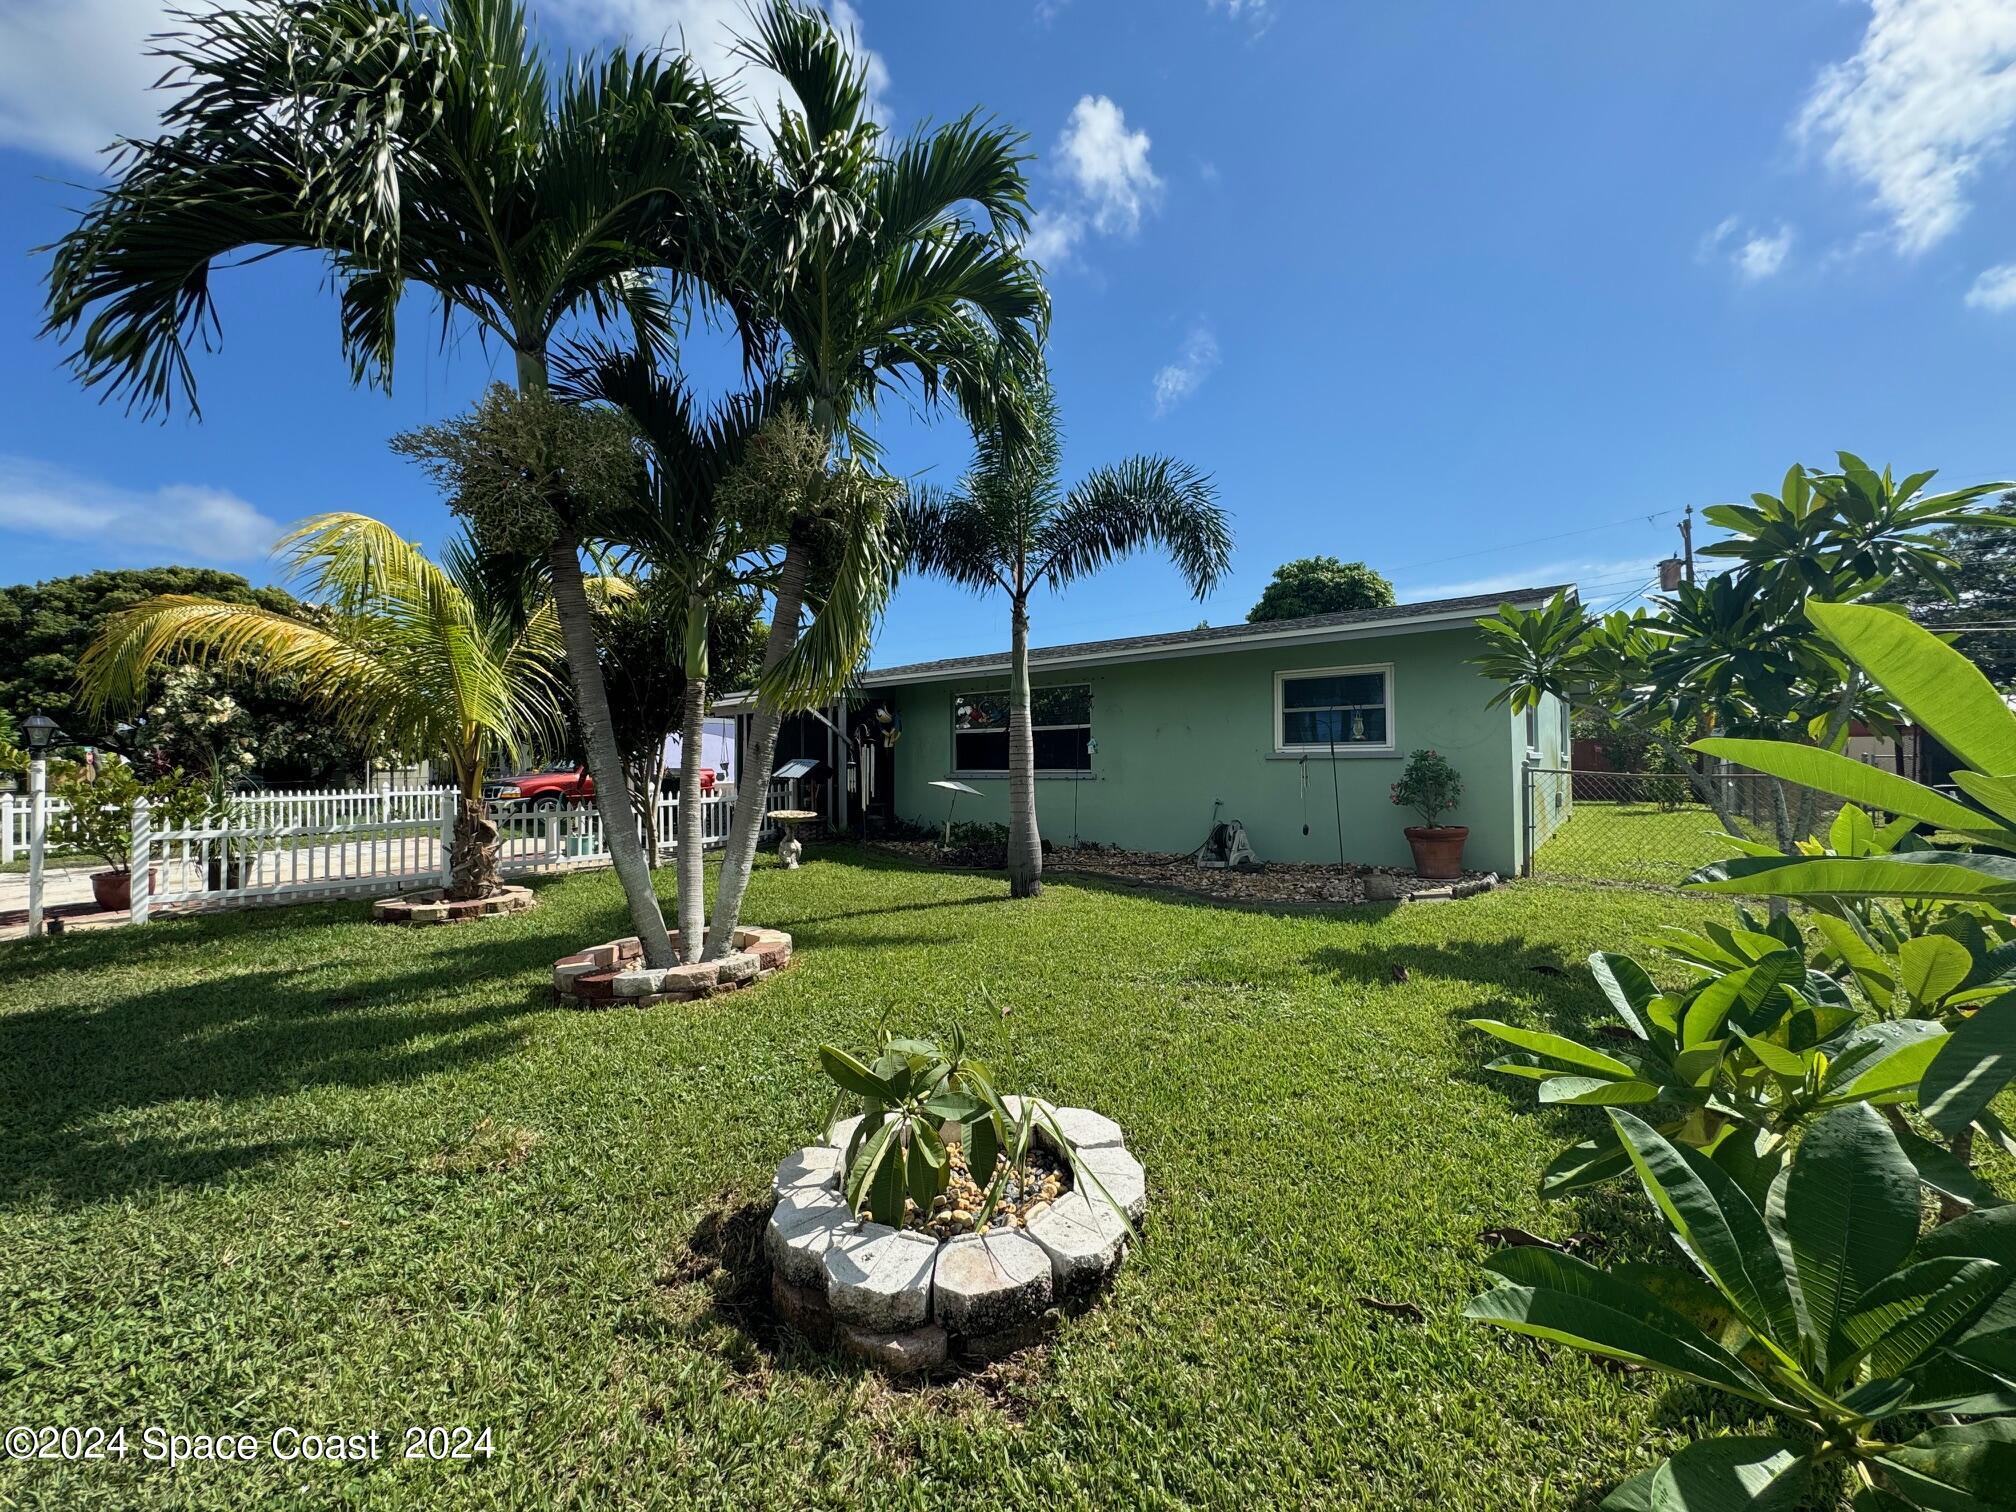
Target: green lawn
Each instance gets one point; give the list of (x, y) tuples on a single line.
[(285, 1168), (1633, 842)]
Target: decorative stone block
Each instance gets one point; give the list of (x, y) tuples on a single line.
[(427, 913), (907, 1353), (883, 1283), (842, 1132), (696, 978), (1084, 1240), (1380, 887), (637, 983), (738, 967), (803, 1308), (1121, 1174), (1085, 1129), (605, 957), (565, 972), (803, 1228), (816, 1168), (986, 1283)]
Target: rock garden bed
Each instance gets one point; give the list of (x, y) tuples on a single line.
[(432, 907), (1269, 882), (909, 1299), (614, 974)]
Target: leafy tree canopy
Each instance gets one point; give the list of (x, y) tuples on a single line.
[(1320, 585), (1984, 581), (46, 627)]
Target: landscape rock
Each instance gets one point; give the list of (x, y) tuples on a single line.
[(841, 1132), (638, 982), (816, 1168), (1382, 887), (695, 978), (1084, 1241), (905, 1353), (1121, 1174), (987, 1283), (804, 1227), (882, 1282), (737, 967), (1085, 1129)]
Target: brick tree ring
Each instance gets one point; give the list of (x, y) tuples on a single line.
[(432, 907), (613, 975), (907, 1301)]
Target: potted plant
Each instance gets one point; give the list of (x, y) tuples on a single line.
[(1431, 787), (99, 822)]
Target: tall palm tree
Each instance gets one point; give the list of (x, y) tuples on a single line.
[(1012, 526), (456, 661), (896, 266), (437, 154)]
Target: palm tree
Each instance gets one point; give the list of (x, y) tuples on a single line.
[(457, 661), (699, 552), (1013, 527), (437, 154), (895, 266)]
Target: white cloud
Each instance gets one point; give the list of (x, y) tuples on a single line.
[(1754, 254), (1995, 289), (74, 74), (1928, 100), (1183, 377), (1259, 14), (706, 30), (187, 519), (1109, 184)]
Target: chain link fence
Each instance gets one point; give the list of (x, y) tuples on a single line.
[(1652, 829)]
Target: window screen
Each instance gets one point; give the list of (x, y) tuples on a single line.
[(1340, 708), (1060, 720)]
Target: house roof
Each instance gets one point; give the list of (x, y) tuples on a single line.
[(1397, 619)]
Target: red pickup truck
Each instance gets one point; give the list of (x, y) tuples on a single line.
[(556, 786)]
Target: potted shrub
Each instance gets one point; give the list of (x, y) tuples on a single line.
[(1431, 787), (99, 822)]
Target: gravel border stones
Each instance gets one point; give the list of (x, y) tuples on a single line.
[(907, 1302)]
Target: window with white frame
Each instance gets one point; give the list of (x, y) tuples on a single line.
[(1333, 708), (1060, 719), (1533, 727)]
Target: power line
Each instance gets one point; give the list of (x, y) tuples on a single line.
[(1531, 541)]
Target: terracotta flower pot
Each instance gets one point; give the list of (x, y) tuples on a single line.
[(1438, 852), (113, 890)]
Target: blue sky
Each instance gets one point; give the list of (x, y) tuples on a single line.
[(1482, 294)]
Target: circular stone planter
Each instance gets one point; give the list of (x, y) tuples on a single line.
[(432, 908), (614, 975), (906, 1301)]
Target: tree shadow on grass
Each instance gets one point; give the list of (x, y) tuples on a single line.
[(76, 1071)]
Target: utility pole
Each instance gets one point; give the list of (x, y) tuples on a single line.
[(1687, 541)]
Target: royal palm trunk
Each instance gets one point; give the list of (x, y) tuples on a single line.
[(752, 782), (1025, 845)]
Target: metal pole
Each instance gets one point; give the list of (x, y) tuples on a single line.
[(1687, 540), (38, 823)]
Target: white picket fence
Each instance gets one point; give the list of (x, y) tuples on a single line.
[(14, 811), (291, 847)]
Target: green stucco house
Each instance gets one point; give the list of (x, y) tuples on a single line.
[(1290, 726)]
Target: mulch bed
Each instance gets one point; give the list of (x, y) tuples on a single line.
[(1269, 882)]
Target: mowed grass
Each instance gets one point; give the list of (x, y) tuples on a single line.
[(284, 1168), (1633, 842)]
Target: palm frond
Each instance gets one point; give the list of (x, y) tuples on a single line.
[(1143, 501)]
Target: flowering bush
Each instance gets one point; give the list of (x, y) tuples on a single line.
[(1429, 786)]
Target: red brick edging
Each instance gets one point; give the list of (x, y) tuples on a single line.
[(431, 908), (614, 975)]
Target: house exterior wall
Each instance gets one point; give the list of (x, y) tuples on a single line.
[(1177, 733)]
